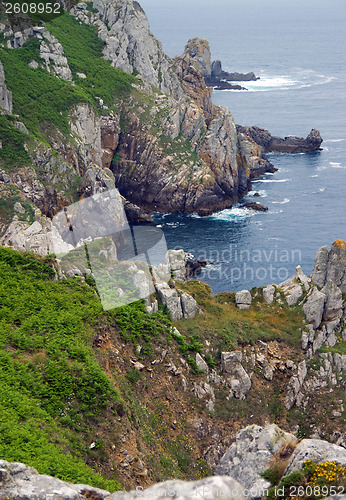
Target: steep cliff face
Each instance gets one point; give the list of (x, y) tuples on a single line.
[(168, 146), (129, 44)]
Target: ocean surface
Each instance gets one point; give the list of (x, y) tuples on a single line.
[(298, 51)]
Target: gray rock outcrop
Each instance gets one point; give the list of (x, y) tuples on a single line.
[(243, 299), (313, 308), (180, 305), (250, 454), (331, 266), (177, 262), (25, 483), (316, 450), (129, 44), (52, 53)]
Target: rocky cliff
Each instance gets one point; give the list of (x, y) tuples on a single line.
[(192, 371), (166, 145)]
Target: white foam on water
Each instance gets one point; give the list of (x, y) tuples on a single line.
[(334, 140), (232, 214), (261, 192), (272, 180), (285, 200), (312, 176), (335, 164), (299, 78)]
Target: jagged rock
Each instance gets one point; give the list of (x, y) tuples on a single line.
[(250, 454), (52, 53), (129, 44), (316, 450), (252, 154), (201, 364), (41, 237), (20, 126), (212, 488), (243, 299), (97, 180), (287, 145), (199, 50), (319, 271), (25, 483), (336, 266), (177, 261), (237, 377), (189, 305), (5, 94), (313, 308), (333, 309), (253, 205), (261, 359), (268, 294), (170, 298), (295, 385), (194, 266), (293, 294), (135, 214)]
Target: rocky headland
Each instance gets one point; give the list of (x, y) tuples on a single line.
[(158, 139), (291, 144), (214, 76)]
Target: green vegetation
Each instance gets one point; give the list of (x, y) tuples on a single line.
[(12, 152), (46, 99), (50, 383), (83, 50), (228, 328), (9, 196)]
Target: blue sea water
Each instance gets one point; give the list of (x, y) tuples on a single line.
[(298, 50)]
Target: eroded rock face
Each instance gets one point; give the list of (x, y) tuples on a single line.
[(199, 50), (314, 306), (130, 46), (250, 454)]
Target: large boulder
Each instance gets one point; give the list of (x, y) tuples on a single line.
[(249, 455), (318, 451), (243, 299), (170, 298), (211, 488)]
